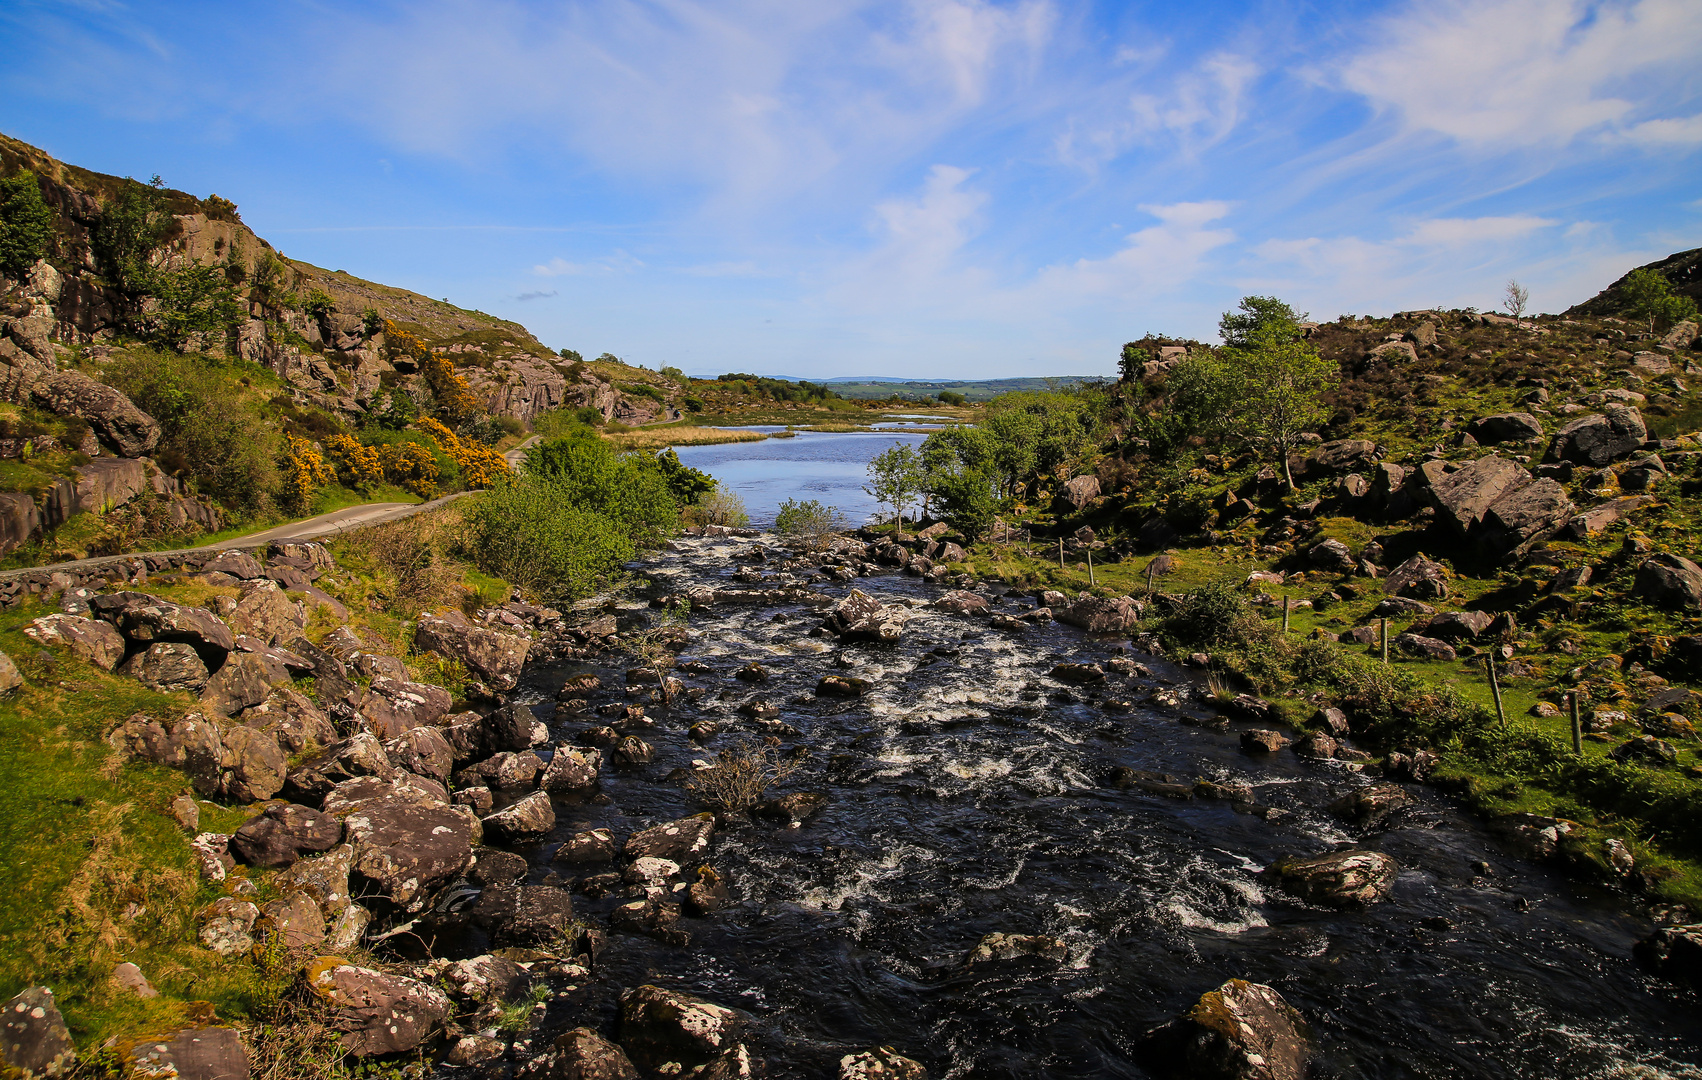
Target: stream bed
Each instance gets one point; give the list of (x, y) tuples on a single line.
[(967, 794)]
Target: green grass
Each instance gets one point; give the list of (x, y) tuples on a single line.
[(93, 870)]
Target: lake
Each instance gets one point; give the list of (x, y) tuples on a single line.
[(830, 468)]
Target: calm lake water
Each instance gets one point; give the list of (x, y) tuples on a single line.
[(830, 468)]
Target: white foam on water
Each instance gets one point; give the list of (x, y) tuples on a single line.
[(1197, 920), (980, 770), (866, 876)]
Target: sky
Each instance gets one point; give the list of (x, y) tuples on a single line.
[(941, 189)]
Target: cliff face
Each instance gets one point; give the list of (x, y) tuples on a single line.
[(334, 356)]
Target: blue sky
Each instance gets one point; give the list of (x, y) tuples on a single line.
[(922, 189)]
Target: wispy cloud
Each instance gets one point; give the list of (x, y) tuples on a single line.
[(525, 296), (1514, 73), (617, 263)]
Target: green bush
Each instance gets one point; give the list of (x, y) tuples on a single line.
[(810, 521), (630, 489), (530, 531), (211, 431)]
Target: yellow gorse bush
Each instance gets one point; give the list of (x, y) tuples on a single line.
[(410, 466), (479, 464), (305, 472), (358, 466)]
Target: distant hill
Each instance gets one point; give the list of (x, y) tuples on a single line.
[(972, 389), (1683, 271)]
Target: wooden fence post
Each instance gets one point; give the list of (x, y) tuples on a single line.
[(1577, 727), (1495, 688), (1384, 624), (1285, 614)]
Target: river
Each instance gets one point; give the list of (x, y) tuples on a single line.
[(967, 794), (830, 468)]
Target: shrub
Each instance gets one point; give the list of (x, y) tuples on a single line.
[(741, 776), (411, 467), (318, 304), (718, 508), (628, 489), (809, 521), (304, 472), (530, 531), (358, 467)]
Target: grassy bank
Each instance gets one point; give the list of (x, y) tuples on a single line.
[(657, 438)]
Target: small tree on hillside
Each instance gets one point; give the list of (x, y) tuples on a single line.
[(1256, 315), (1275, 380), (1515, 299), (26, 224), (1649, 296), (895, 477)]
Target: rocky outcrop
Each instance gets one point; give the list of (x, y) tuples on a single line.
[(495, 657), (1670, 581), (406, 849), (283, 834), (94, 642), (1419, 579), (1240, 1031), (582, 1054), (880, 1063), (1496, 503), (124, 427), (1505, 427), (1080, 492), (531, 818)]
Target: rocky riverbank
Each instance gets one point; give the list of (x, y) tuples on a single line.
[(1000, 806)]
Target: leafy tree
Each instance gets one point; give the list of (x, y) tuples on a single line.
[(1256, 315), (1041, 433), (1648, 295), (673, 373), (570, 356), (687, 484), (26, 224), (1196, 399), (190, 302), (966, 500), (952, 397), (319, 304), (1274, 381), (895, 476), (630, 489), (131, 226), (530, 530)]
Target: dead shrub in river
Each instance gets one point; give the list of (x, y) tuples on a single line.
[(742, 775)]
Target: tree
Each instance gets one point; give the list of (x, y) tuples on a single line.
[(953, 398), (1515, 299), (1274, 382), (571, 356), (26, 224), (895, 476), (1257, 315), (132, 224), (1648, 295), (192, 302)]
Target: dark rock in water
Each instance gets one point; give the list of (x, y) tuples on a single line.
[(1673, 952), (704, 730), (487, 978), (1100, 615), (529, 819), (206, 1053), (1263, 740), (378, 1013), (708, 893), (1240, 1031), (632, 751), (1078, 674), (542, 913), (508, 728), (650, 916), (676, 841), (33, 1037), (995, 947), (1337, 879), (794, 807), (881, 1063), (598, 736), (570, 770), (282, 834), (591, 846), (752, 672), (1316, 745), (1332, 720), (496, 868), (841, 686), (1235, 791), (759, 709), (675, 1034), (582, 1054), (1153, 783), (1413, 764), (1248, 707), (1369, 805)]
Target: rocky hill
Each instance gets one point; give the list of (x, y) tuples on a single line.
[(328, 334)]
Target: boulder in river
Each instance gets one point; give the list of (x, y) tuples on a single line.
[(1370, 804), (406, 848), (998, 946), (529, 819), (675, 1034), (1101, 615), (880, 1063), (582, 1054), (591, 846), (676, 841), (1353, 878), (1240, 1031), (1674, 952)]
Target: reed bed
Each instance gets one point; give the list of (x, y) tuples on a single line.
[(656, 438)]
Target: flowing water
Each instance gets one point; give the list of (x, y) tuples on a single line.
[(966, 796), (830, 468)]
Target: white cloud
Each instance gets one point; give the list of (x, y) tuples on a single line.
[(1532, 72), (1158, 259), (618, 263), (1196, 109)]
